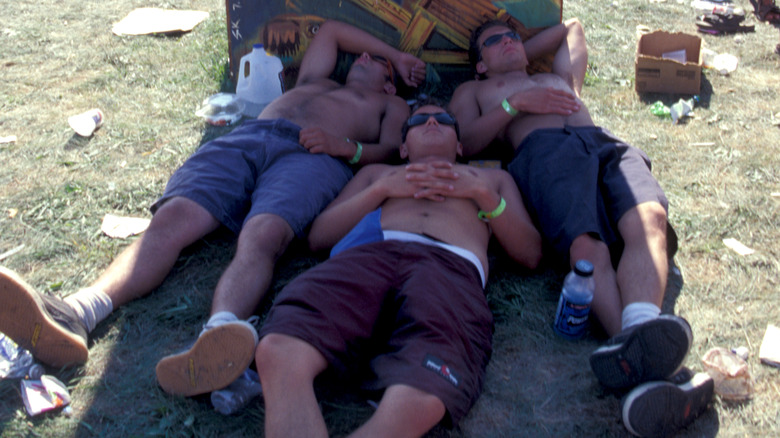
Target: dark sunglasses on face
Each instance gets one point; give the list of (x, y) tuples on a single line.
[(495, 39), (422, 118), (388, 65)]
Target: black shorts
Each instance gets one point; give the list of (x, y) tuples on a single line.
[(396, 313), (581, 180)]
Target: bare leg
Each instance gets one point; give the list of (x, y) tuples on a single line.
[(644, 267), (243, 284), (607, 303), (403, 412), (143, 266), (287, 367)]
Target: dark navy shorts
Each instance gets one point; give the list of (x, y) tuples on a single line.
[(392, 313), (579, 180), (259, 168)]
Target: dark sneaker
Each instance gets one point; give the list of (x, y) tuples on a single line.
[(220, 355), (662, 408), (653, 350), (44, 325)]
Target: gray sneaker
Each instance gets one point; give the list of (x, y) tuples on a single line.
[(664, 407), (219, 356), (653, 350), (42, 324)]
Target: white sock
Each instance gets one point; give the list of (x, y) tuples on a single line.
[(637, 313), (219, 318), (92, 305)]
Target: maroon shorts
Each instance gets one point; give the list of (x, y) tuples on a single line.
[(397, 313)]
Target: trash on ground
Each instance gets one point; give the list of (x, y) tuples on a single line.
[(660, 110), (738, 246), (730, 373), (221, 109), (87, 122), (8, 139), (683, 108), (770, 346), (15, 361), (144, 21), (44, 395), (11, 252), (123, 227)]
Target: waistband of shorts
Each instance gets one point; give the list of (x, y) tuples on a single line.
[(279, 127), (405, 236)]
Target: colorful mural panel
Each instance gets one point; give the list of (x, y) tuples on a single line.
[(437, 31)]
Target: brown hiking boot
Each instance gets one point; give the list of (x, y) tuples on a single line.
[(42, 324)]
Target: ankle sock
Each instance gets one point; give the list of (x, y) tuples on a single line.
[(219, 318), (92, 305), (637, 313)]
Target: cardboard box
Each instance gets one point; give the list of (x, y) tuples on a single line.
[(658, 66)]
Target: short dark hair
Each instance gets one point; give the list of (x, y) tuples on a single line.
[(427, 101), (474, 49)]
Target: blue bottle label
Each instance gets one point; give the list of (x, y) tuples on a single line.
[(571, 319)]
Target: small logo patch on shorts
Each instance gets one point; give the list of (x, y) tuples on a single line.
[(439, 367)]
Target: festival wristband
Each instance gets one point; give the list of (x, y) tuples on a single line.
[(358, 152), (486, 216), (508, 108)]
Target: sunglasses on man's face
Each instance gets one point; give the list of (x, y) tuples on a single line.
[(495, 39), (388, 65), (422, 118)]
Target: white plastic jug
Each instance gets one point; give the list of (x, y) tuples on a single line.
[(259, 80)]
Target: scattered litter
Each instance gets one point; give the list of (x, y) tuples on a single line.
[(770, 346), (742, 352), (11, 252), (660, 110), (683, 108), (8, 139), (730, 373), (221, 109), (14, 360), (738, 246), (775, 194), (122, 227), (703, 143), (44, 395), (87, 122), (144, 21)]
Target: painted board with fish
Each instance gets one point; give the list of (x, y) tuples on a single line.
[(437, 31)]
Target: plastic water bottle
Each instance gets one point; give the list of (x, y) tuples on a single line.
[(571, 318), (259, 80), (238, 394)]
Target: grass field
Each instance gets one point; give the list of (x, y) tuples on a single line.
[(720, 170)]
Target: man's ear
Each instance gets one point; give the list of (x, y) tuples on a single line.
[(459, 149), (390, 88), (403, 152), (481, 68)]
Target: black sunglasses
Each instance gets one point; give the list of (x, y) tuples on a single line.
[(495, 39), (442, 118)]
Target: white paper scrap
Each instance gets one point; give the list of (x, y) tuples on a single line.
[(123, 227), (143, 21), (770, 346), (738, 246)]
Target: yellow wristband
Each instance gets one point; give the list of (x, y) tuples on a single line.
[(355, 158), (486, 216), (508, 108)]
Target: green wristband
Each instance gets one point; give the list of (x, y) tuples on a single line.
[(486, 216), (508, 108), (358, 152)]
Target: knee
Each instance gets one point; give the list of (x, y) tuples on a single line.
[(589, 248), (646, 222), (278, 354), (265, 235)]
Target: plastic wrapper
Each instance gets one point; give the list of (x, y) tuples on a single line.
[(14, 360), (730, 374)]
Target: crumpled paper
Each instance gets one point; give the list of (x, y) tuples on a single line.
[(730, 374)]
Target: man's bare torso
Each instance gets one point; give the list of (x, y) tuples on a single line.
[(492, 91), (453, 221), (340, 110)]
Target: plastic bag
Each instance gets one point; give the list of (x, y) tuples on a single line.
[(15, 361), (730, 373)]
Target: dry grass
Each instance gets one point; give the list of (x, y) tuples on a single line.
[(59, 58)]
